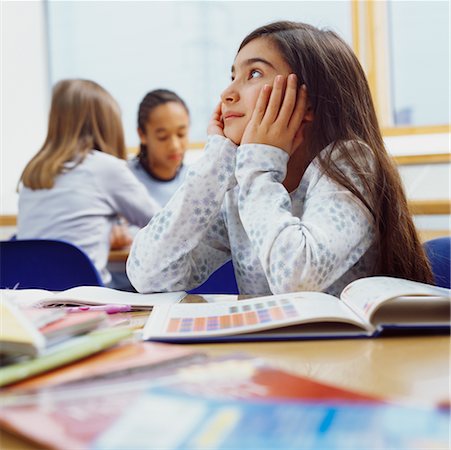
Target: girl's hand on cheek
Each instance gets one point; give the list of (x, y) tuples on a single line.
[(216, 125), (277, 118)]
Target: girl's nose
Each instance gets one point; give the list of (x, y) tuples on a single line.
[(175, 143), (230, 95)]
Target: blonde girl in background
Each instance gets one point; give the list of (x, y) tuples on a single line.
[(78, 183), (295, 185)]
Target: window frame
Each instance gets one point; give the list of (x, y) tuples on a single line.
[(371, 45)]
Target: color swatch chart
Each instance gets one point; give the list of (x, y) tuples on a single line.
[(236, 316)]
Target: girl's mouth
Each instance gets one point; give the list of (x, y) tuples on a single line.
[(232, 115)]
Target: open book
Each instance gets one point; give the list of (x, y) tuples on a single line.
[(89, 295), (367, 307)]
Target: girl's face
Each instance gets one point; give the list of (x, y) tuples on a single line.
[(166, 137), (256, 64)]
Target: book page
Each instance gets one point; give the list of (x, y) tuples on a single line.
[(244, 316), (88, 295), (366, 295), (95, 295), (413, 311), (24, 297)]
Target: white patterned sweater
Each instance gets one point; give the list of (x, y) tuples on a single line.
[(233, 205)]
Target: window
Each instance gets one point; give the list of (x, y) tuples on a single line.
[(419, 63), (188, 47)]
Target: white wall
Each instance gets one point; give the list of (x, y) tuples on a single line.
[(24, 93), (417, 144)]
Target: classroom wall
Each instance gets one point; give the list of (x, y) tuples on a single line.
[(25, 91)]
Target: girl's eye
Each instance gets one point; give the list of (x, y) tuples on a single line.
[(255, 74)]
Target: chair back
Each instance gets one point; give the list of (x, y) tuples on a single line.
[(438, 252), (222, 281), (45, 264)]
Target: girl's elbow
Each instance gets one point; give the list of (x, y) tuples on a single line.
[(140, 276), (138, 280)]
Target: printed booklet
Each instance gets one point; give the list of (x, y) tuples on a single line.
[(367, 307), (231, 402), (272, 425), (88, 295)]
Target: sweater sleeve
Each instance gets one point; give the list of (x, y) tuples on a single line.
[(187, 240), (306, 245), (126, 194)]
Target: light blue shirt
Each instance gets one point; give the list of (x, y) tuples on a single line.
[(160, 190)]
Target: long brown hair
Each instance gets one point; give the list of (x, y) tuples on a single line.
[(83, 117), (344, 113)]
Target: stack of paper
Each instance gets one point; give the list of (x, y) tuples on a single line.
[(18, 335), (69, 351), (49, 330)]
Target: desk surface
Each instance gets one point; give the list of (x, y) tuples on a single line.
[(120, 255), (415, 369)]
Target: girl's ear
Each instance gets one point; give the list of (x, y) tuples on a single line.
[(142, 136), (309, 114)]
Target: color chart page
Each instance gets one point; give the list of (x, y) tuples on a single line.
[(244, 316)]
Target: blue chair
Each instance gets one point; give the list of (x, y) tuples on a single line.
[(438, 253), (45, 264), (222, 281)]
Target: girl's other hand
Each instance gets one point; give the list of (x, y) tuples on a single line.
[(277, 117), (216, 125), (120, 237)]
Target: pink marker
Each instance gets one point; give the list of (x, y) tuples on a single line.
[(109, 309)]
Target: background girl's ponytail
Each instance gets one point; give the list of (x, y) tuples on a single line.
[(83, 117)]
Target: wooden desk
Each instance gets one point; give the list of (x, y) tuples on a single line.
[(117, 256), (425, 235), (413, 369)]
